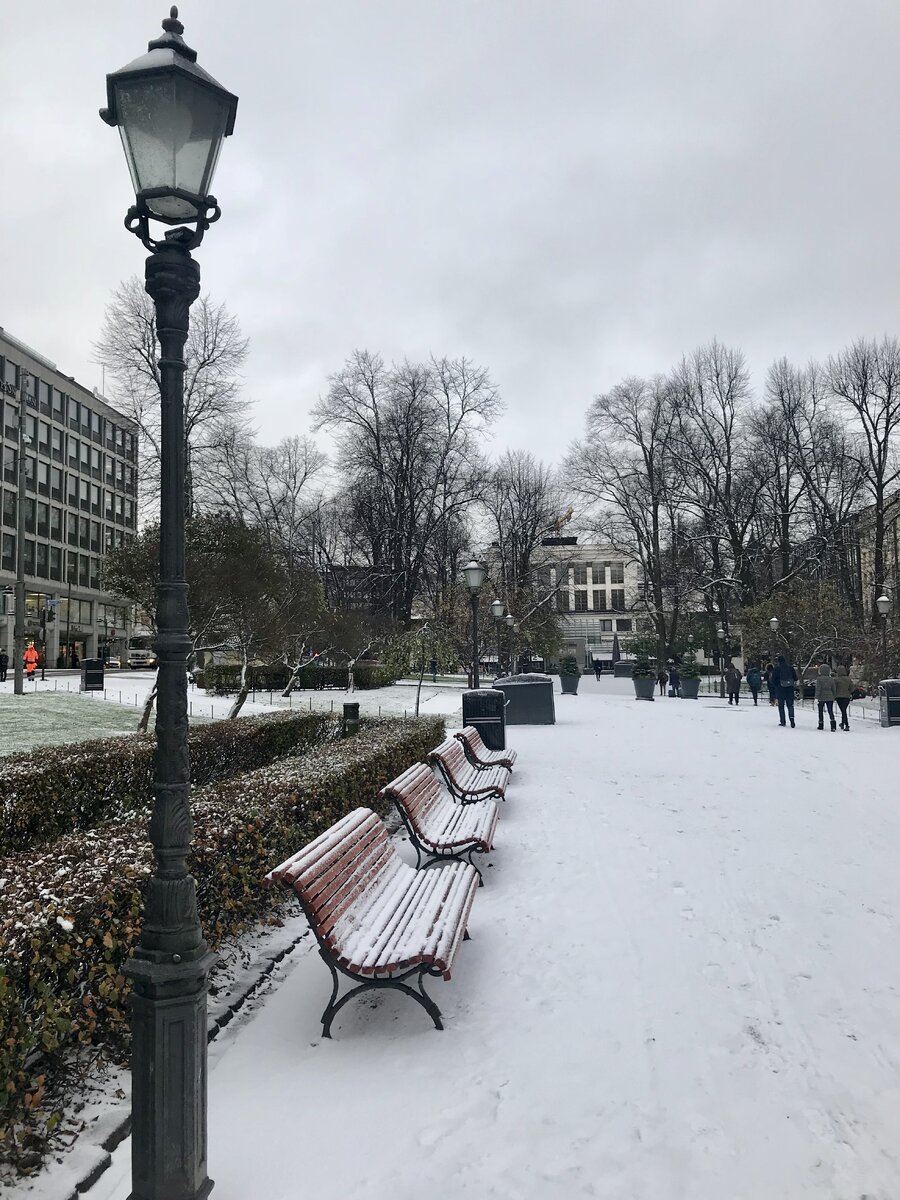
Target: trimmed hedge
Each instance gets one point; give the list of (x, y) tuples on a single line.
[(70, 914), (58, 789), (225, 680)]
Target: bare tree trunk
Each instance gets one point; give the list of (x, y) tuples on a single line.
[(292, 681), (144, 723), (244, 688)]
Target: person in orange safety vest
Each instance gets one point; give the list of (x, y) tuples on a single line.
[(30, 658)]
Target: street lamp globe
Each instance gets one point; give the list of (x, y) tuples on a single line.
[(474, 574), (510, 620), (172, 117), (773, 624), (720, 634), (884, 605), (497, 608)]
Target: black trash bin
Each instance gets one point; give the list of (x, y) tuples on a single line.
[(92, 674), (529, 699), (485, 709), (889, 701)]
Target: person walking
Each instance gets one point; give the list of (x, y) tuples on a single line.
[(842, 689), (772, 684), (662, 679), (825, 696), (597, 667), (786, 681), (30, 659), (733, 679), (674, 681), (4, 665), (754, 682)]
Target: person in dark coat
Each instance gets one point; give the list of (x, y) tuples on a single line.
[(662, 679), (754, 682), (825, 696), (733, 679), (4, 665), (786, 681), (842, 690), (597, 667), (674, 681), (772, 684)]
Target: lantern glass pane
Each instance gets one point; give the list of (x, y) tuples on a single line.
[(172, 129)]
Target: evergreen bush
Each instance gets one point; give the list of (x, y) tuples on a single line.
[(70, 912)]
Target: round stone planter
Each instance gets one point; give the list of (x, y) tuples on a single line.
[(690, 688), (569, 684), (643, 688)]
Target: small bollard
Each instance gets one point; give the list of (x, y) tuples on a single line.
[(351, 720)]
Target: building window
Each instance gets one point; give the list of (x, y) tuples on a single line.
[(43, 438), (85, 420), (56, 525), (72, 565), (43, 478), (95, 463), (43, 519), (95, 536), (56, 444), (581, 601), (9, 464), (84, 571), (59, 406), (42, 568), (72, 529), (10, 373), (29, 556), (55, 563), (109, 510), (9, 509), (617, 598), (623, 626), (562, 601), (84, 527), (599, 600), (44, 396), (74, 451), (129, 513), (606, 626), (108, 537), (616, 573), (56, 483), (95, 500), (7, 552), (85, 456), (580, 574)]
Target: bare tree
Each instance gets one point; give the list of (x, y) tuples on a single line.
[(624, 469), (410, 450), (215, 352), (865, 378)]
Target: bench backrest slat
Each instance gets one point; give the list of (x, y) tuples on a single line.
[(476, 743), (417, 790), (453, 757)]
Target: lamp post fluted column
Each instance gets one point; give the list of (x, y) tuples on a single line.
[(170, 967), (473, 604)]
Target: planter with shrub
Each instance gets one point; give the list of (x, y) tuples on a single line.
[(690, 680), (569, 675), (644, 679)]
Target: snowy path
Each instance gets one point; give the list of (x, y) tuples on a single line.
[(683, 982)]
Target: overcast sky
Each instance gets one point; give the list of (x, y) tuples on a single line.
[(566, 192)]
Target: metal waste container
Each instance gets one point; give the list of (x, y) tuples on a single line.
[(622, 669), (92, 674), (485, 709), (529, 699), (889, 700)]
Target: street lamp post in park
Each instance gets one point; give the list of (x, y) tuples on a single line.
[(173, 118), (720, 634), (883, 604), (510, 621), (474, 574), (773, 625), (498, 608)]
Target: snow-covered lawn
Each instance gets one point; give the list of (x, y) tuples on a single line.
[(45, 718), (682, 984)]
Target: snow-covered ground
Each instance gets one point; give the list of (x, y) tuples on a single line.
[(682, 984)]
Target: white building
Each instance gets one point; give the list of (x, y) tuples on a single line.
[(597, 597)]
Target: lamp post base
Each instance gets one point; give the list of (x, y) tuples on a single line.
[(169, 1032)]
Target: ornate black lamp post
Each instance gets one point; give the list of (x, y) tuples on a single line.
[(474, 574), (773, 625), (883, 604), (721, 635), (510, 625), (172, 117), (498, 608)]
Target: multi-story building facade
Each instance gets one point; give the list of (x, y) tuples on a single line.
[(80, 501), (596, 594)]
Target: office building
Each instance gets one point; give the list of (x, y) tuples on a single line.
[(80, 501)]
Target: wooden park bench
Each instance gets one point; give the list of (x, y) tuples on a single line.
[(439, 828), (466, 782), (377, 920), (478, 754)]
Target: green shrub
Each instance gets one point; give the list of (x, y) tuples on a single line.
[(225, 680), (568, 665), (58, 789), (642, 669), (70, 914)]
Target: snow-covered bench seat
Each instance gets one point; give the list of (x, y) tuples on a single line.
[(466, 782), (439, 828), (377, 919), (478, 754)]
